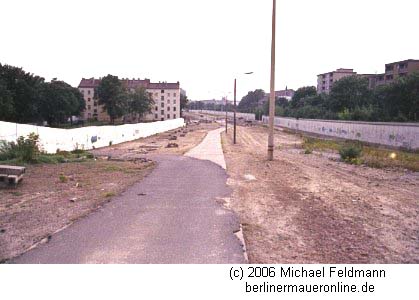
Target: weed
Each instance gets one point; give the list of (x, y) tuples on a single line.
[(308, 151), (63, 178), (25, 149), (350, 153)]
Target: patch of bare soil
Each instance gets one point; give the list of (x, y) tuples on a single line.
[(52, 197), (313, 209), (176, 142)]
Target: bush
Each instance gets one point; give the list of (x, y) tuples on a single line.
[(351, 153), (24, 149)]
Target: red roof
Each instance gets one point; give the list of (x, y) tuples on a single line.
[(89, 83), (133, 84)]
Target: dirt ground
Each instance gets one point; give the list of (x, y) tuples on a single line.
[(51, 197), (184, 139), (313, 209)]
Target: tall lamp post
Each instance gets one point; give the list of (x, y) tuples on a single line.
[(235, 107), (272, 94)]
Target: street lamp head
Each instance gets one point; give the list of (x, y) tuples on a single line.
[(248, 73)]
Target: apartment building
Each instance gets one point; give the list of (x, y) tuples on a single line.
[(393, 71), (166, 98), (287, 94), (325, 81)]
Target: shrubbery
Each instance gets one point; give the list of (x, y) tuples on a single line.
[(23, 150), (351, 153), (27, 150)]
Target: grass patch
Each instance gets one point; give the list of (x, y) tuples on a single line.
[(114, 168), (369, 155), (109, 194)]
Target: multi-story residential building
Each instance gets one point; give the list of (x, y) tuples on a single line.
[(393, 71), (166, 98), (287, 94), (325, 81)]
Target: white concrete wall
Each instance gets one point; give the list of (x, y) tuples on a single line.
[(52, 139), (401, 135), (248, 117)]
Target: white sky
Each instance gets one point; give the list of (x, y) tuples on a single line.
[(205, 44)]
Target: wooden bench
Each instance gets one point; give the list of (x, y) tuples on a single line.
[(11, 174)]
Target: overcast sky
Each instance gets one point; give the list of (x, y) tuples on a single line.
[(206, 44)]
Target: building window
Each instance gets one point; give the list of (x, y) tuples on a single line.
[(157, 108), (156, 116), (89, 115), (174, 117), (162, 118), (162, 112), (88, 92), (389, 77), (156, 94), (162, 91), (174, 94), (89, 107), (168, 108), (95, 111), (95, 103), (82, 92), (174, 101), (174, 108), (89, 99), (168, 116), (162, 104), (162, 98)]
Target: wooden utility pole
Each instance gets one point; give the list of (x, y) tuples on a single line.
[(234, 122), (272, 95)]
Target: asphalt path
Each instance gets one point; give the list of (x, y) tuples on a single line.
[(171, 216)]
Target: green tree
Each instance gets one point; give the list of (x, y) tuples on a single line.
[(24, 89), (59, 101), (139, 103), (349, 93), (302, 93), (183, 102), (399, 101), (113, 96), (250, 102), (6, 103)]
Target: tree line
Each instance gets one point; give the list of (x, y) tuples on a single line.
[(350, 99), (27, 98)]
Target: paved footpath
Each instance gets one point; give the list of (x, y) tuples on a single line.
[(169, 217), (210, 149)]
